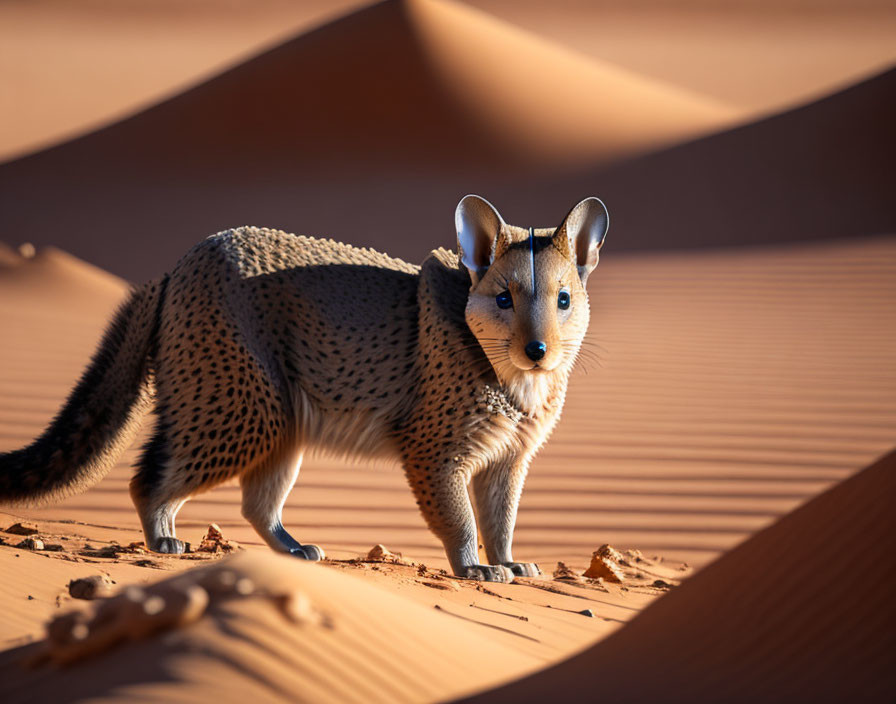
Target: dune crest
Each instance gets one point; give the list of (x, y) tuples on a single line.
[(542, 102)]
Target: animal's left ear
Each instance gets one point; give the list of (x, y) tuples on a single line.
[(582, 233), (479, 227)]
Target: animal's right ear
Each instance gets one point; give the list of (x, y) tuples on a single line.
[(582, 234), (478, 226)]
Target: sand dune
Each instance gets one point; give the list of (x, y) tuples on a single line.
[(759, 56), (55, 62), (821, 171), (802, 611), (404, 80), (392, 109), (9, 257), (825, 170), (338, 640), (53, 275), (756, 56)]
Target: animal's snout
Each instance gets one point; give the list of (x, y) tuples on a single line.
[(535, 350)]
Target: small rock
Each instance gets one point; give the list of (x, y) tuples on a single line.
[(23, 528), (215, 542), (53, 547), (587, 612), (566, 573), (31, 544), (89, 588), (380, 553), (26, 250), (662, 584), (611, 553), (605, 564)]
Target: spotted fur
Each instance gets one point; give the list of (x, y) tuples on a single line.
[(263, 345)]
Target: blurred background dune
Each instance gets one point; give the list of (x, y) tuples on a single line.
[(753, 55)]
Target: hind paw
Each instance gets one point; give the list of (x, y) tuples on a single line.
[(170, 546), (523, 569), (488, 573), (309, 552)]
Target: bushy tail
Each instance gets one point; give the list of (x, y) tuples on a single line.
[(102, 413)]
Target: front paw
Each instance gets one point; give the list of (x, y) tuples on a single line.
[(523, 569), (488, 573), (170, 546), (309, 552)]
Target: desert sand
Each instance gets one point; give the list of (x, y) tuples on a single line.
[(718, 404), (738, 364), (803, 611)]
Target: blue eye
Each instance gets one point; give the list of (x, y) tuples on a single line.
[(504, 300), (563, 300)]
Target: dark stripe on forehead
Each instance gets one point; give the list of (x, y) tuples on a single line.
[(539, 243), (532, 257)]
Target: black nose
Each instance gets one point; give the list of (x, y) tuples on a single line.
[(535, 350)]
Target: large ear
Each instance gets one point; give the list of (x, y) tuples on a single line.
[(582, 234), (478, 225)]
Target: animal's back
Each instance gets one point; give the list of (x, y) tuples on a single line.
[(303, 329)]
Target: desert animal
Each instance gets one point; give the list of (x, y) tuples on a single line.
[(262, 345)]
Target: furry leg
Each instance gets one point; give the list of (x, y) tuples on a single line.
[(264, 492)]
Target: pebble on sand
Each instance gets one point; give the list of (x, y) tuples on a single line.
[(89, 588), (23, 528), (31, 544), (566, 573), (605, 564)]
